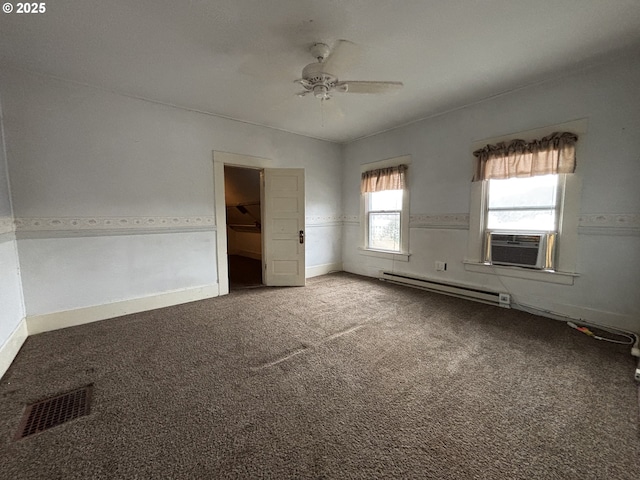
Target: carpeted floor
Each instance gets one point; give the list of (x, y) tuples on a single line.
[(346, 378)]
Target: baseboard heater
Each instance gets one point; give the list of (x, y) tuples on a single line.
[(460, 291)]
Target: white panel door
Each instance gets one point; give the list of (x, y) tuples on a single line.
[(283, 226)]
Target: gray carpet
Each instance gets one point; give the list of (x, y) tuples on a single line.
[(346, 378)]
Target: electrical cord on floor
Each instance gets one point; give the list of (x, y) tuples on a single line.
[(630, 337), (588, 332)]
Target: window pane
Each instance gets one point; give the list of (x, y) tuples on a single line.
[(522, 220), (523, 192), (386, 200), (384, 231)]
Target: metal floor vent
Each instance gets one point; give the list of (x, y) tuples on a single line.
[(54, 411)]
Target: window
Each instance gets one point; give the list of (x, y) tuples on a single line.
[(384, 214), (523, 204), (384, 209), (525, 195)]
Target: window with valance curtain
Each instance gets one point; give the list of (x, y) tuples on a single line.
[(391, 178), (385, 208), (553, 154)]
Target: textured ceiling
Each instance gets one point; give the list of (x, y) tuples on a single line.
[(238, 58)]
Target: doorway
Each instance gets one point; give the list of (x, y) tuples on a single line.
[(282, 221), (244, 226)]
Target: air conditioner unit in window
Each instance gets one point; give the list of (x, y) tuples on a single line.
[(531, 250)]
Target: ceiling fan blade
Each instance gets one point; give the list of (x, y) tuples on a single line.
[(369, 87), (343, 55)]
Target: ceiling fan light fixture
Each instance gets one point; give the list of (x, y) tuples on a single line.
[(321, 91), (317, 80)]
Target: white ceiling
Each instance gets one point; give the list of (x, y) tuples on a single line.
[(238, 58)]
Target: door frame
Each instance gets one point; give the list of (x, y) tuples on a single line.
[(220, 159)]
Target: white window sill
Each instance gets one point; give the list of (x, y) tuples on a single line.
[(402, 257), (561, 278)]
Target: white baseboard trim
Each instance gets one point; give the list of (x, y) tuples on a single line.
[(366, 271), (546, 307), (592, 316), (70, 318), (12, 346), (323, 269)]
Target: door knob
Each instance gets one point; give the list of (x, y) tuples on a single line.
[(301, 236)]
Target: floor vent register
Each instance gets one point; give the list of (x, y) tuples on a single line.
[(54, 411)]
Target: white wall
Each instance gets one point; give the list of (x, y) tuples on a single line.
[(606, 292), (11, 304), (88, 271), (114, 196)]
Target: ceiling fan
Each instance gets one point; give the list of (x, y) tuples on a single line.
[(320, 79)]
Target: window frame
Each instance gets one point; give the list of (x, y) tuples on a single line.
[(403, 254), (567, 219), (557, 208), (369, 211)]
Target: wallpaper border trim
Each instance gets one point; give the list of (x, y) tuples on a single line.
[(609, 224), (7, 229), (42, 227), (7, 225), (457, 221)]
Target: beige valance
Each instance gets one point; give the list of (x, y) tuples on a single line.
[(553, 154), (391, 178)]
